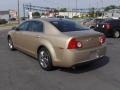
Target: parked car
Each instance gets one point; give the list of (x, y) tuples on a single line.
[(84, 21), (3, 21), (109, 27), (13, 19), (60, 16), (92, 23), (57, 42)]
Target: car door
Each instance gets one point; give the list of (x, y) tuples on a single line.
[(19, 37), (33, 36), (118, 24)]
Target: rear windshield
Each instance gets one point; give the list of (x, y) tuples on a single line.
[(67, 25), (99, 20), (107, 21)]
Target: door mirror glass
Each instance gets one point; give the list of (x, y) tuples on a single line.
[(17, 29)]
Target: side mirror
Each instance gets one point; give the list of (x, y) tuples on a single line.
[(15, 28)]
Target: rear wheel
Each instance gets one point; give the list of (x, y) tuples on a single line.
[(116, 34), (10, 44), (45, 59)]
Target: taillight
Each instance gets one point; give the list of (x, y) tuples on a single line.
[(102, 39), (107, 26), (74, 44)]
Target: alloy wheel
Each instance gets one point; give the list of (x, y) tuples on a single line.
[(45, 59), (116, 34)]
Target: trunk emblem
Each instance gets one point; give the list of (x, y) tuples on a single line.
[(89, 39)]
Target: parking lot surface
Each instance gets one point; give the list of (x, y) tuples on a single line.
[(19, 71)]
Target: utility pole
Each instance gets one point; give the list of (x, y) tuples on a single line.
[(18, 11), (30, 7), (24, 10), (76, 7), (102, 9), (68, 10), (97, 9), (89, 8)]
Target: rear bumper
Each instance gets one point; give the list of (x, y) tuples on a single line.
[(73, 57)]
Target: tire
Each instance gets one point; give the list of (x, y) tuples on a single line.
[(92, 27), (45, 59), (10, 44), (116, 34)]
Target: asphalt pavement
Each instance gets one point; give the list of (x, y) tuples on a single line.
[(19, 71)]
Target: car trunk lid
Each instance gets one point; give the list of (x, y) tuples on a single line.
[(89, 38)]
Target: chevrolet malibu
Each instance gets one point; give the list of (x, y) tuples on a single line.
[(57, 42)]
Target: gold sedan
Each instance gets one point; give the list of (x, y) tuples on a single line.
[(57, 42)]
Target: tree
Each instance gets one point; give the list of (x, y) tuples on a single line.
[(56, 11), (110, 7), (99, 13), (92, 12), (36, 14), (63, 10)]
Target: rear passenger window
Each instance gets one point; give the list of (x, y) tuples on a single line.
[(37, 26)]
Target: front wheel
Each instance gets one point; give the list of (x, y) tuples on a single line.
[(10, 44), (45, 59), (116, 34)]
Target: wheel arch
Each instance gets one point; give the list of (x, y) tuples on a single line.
[(8, 36), (48, 46), (114, 30)]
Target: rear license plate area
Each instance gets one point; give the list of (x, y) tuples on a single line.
[(94, 54)]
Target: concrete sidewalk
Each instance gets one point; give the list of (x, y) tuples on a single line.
[(5, 28)]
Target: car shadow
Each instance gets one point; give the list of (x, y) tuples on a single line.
[(86, 67), (112, 41), (81, 68)]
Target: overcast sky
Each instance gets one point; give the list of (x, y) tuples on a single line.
[(12, 4)]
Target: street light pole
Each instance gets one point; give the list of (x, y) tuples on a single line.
[(18, 11)]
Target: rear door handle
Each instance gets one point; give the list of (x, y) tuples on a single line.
[(38, 36)]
